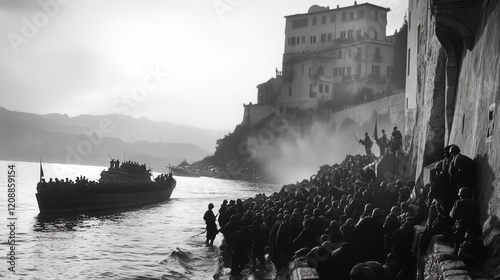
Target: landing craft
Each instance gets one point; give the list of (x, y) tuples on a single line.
[(119, 187)]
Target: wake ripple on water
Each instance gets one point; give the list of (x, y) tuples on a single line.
[(181, 265)]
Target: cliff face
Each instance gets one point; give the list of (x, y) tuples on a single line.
[(475, 118), (472, 67), (426, 126)]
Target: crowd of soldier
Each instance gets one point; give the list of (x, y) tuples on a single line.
[(347, 226), (130, 166)]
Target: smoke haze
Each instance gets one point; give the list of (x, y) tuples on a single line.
[(299, 151)]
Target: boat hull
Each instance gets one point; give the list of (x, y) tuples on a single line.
[(72, 202)]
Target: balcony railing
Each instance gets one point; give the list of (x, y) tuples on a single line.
[(378, 78), (347, 78)]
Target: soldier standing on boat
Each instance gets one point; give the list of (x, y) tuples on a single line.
[(212, 231)]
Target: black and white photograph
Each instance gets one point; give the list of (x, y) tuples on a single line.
[(238, 139)]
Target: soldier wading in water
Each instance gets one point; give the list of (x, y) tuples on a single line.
[(212, 231)]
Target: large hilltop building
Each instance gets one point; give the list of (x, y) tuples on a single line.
[(333, 59), (332, 54)]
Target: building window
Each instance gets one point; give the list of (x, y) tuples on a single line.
[(349, 34), (389, 71), (418, 38), (375, 35), (314, 20), (361, 14), (346, 71), (344, 16), (336, 72), (349, 53), (289, 41), (351, 15), (312, 94), (323, 38), (299, 23), (339, 54), (293, 41), (329, 37), (409, 20), (320, 71), (320, 88), (376, 70), (303, 39), (377, 52), (332, 18), (323, 20), (408, 61), (313, 39), (358, 34), (376, 15), (327, 89), (289, 91), (358, 69), (342, 34)]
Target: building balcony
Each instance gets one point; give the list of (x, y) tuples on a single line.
[(336, 43), (377, 58), (325, 79), (347, 78), (377, 78)]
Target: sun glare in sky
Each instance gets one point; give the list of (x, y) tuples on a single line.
[(186, 62)]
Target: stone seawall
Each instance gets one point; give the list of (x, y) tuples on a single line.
[(388, 110)]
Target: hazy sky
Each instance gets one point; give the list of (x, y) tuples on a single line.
[(191, 62)]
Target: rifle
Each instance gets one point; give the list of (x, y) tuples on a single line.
[(355, 137)]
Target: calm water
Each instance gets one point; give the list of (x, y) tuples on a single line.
[(162, 241)]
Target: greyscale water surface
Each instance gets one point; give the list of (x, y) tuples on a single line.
[(161, 241)]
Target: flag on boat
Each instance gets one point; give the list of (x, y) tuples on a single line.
[(41, 170)]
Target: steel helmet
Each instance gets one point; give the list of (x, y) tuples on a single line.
[(395, 210), (464, 192), (454, 148), (369, 207), (377, 212)]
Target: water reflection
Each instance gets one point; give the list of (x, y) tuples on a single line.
[(51, 223), (77, 221)]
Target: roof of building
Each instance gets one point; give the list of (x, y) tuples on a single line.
[(328, 10)]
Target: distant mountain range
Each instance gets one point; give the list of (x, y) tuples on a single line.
[(87, 139)]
